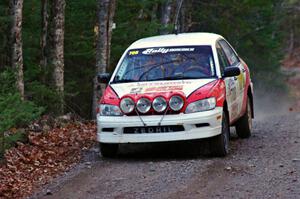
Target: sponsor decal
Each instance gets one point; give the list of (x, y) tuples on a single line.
[(241, 81), (136, 90), (164, 89), (151, 87), (139, 90), (134, 52), (166, 50), (164, 83)]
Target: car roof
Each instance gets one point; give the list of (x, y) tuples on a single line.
[(183, 39)]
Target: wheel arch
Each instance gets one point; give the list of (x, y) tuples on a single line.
[(250, 95), (225, 108)]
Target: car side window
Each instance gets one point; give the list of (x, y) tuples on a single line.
[(230, 54), (222, 58)]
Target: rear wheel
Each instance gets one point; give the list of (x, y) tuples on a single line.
[(244, 124), (109, 150), (219, 145)]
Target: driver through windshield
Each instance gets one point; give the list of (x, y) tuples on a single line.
[(166, 63)]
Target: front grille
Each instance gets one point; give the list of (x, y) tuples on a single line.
[(107, 129), (201, 125), (153, 129)]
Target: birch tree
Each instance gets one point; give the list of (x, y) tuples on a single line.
[(106, 12), (57, 47), (16, 39)]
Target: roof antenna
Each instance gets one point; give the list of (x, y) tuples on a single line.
[(177, 16)]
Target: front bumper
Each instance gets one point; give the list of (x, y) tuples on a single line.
[(189, 121)]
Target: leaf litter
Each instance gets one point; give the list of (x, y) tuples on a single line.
[(45, 156)]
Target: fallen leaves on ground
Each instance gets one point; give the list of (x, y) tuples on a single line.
[(292, 60), (46, 155)]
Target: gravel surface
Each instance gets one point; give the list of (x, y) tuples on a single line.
[(267, 165)]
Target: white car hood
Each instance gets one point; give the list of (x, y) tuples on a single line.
[(185, 86)]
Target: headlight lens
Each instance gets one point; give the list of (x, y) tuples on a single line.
[(176, 103), (127, 105), (109, 110), (159, 104), (201, 105), (143, 105)]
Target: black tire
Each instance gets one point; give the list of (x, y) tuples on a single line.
[(219, 145), (109, 150), (244, 124)]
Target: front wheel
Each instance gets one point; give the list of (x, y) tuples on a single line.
[(109, 150), (244, 124), (219, 145)]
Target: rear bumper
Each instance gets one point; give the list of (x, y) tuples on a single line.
[(189, 121)]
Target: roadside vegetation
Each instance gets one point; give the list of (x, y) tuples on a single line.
[(15, 113)]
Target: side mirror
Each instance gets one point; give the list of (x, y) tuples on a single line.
[(103, 78), (232, 71)]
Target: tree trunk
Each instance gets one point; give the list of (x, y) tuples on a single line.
[(17, 51), (57, 47), (112, 8), (154, 12), (185, 16), (166, 11), (44, 34), (182, 17), (106, 11)]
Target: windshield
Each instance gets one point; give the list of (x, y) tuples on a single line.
[(166, 63)]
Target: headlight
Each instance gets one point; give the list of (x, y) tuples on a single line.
[(127, 105), (143, 105), (159, 104), (109, 110), (176, 103), (201, 105)]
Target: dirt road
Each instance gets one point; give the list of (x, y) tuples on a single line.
[(265, 166)]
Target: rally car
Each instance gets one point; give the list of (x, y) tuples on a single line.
[(173, 88)]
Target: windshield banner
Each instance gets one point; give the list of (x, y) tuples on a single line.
[(164, 50)]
